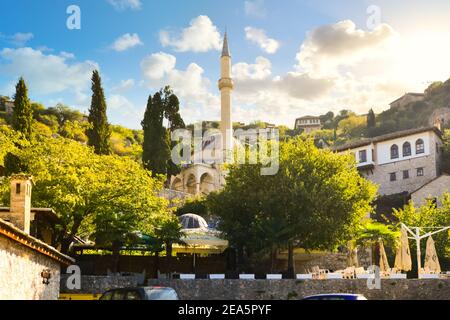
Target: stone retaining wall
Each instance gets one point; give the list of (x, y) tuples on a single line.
[(411, 289), (98, 284)]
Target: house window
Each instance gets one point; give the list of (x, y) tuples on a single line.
[(420, 172), (405, 174), (362, 156), (17, 188), (420, 146), (406, 149), (393, 176), (394, 152)]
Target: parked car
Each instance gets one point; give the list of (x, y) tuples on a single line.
[(336, 296), (141, 293)]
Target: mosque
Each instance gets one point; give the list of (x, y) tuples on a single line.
[(200, 177)]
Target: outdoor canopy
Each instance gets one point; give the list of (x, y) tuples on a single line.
[(403, 254), (384, 264), (431, 258)]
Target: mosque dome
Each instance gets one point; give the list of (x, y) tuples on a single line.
[(193, 221)]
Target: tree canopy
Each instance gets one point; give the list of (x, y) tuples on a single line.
[(426, 216), (314, 201), (77, 183)]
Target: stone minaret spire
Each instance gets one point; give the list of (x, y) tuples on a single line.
[(226, 87)]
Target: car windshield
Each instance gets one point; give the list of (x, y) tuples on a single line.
[(161, 294)]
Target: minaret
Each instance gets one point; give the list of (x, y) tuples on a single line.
[(226, 87)]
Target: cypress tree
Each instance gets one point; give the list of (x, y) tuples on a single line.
[(371, 122), (155, 146), (22, 118), (99, 132)]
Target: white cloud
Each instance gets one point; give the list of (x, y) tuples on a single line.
[(20, 39), (121, 5), (126, 41), (46, 74), (259, 71), (201, 36), (260, 37), (122, 110), (119, 102), (157, 65), (255, 84), (66, 55), (190, 85), (124, 85), (341, 44), (255, 8)]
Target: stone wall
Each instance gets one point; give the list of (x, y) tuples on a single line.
[(381, 173), (434, 189), (410, 289), (20, 273), (98, 284)]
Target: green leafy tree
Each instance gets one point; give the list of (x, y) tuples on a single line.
[(370, 232), (168, 231), (100, 131), (22, 119), (315, 201), (196, 205), (429, 216), (78, 184)]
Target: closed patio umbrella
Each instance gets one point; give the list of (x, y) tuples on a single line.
[(431, 258), (352, 255), (403, 254), (384, 263)]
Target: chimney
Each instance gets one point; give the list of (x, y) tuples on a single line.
[(20, 207)]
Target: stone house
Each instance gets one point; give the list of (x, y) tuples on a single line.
[(308, 124), (399, 162), (29, 267)]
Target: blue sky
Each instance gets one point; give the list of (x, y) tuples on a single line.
[(290, 58)]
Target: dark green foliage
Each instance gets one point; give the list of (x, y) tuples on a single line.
[(100, 131), (446, 152), (22, 119), (13, 165), (371, 122), (157, 145), (195, 206)]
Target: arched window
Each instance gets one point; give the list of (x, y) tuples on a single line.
[(420, 146), (394, 152), (406, 149)]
